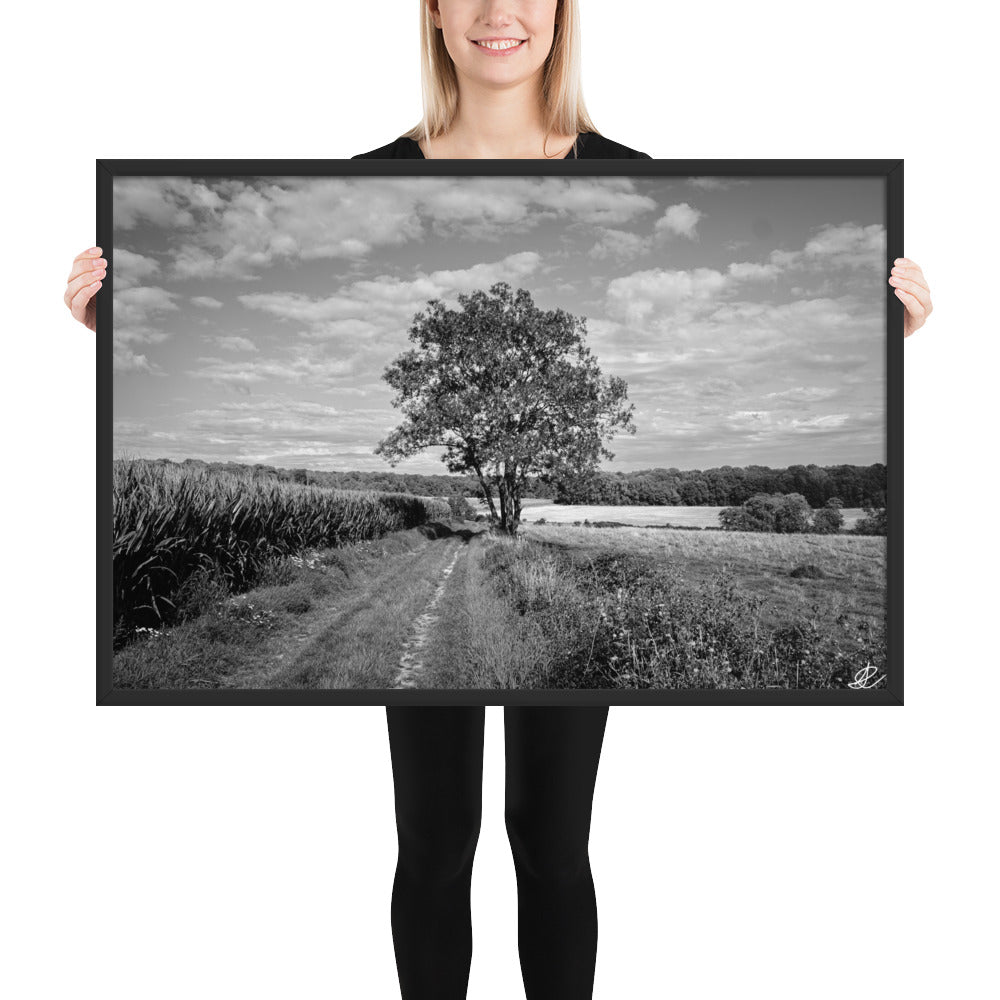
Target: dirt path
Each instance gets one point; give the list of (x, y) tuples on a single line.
[(413, 610), (411, 663), (371, 631), (386, 614)]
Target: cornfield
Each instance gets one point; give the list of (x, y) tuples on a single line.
[(170, 522)]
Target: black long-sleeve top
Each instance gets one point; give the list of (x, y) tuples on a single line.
[(589, 145)]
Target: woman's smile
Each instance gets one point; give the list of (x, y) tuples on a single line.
[(498, 46)]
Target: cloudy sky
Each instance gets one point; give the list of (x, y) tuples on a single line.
[(253, 317)]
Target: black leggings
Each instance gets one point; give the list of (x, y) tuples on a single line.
[(437, 765)]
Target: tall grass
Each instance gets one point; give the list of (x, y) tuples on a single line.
[(626, 619), (170, 523)]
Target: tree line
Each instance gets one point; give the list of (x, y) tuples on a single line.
[(724, 486), (728, 485), (382, 482)]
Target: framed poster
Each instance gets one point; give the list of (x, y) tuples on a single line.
[(499, 432)]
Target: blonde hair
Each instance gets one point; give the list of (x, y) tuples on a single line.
[(564, 111)]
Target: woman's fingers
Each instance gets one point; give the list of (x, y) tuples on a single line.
[(85, 279), (914, 288), (916, 312), (87, 262), (912, 303), (88, 254), (87, 272), (91, 280), (911, 289), (78, 302), (86, 257), (905, 268)]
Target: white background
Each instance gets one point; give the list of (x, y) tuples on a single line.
[(212, 853)]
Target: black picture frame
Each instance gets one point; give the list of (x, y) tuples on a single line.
[(890, 171)]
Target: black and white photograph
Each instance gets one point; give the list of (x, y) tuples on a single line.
[(414, 433)]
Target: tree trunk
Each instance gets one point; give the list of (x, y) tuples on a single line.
[(487, 491), (504, 505), (488, 497), (510, 499)]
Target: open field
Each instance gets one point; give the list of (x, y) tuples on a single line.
[(699, 517), (450, 605), (853, 567)]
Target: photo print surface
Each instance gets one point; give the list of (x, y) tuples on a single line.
[(499, 434)]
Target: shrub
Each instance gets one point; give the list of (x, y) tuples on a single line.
[(808, 572), (461, 509), (873, 523), (828, 520), (784, 513)]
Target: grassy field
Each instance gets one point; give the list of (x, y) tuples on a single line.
[(701, 609), (560, 606), (853, 566), (699, 517)]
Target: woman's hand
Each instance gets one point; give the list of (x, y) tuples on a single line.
[(81, 286), (911, 289)]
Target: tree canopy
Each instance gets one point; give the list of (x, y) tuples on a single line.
[(508, 390)]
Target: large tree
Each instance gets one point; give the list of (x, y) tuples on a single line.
[(509, 391)]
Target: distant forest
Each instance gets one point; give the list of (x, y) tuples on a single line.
[(725, 486)]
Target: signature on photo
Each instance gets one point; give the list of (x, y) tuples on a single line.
[(867, 677)]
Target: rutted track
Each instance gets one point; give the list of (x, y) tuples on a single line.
[(411, 662), (374, 633)]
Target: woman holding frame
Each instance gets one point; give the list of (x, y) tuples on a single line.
[(500, 79)]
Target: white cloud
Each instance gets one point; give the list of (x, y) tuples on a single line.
[(511, 269), (172, 202), (828, 421), (132, 269), (643, 295), (604, 201), (302, 308), (386, 301), (190, 261), (347, 331), (234, 343), (236, 228), (848, 244), (775, 424), (748, 269), (618, 244), (716, 183), (138, 312), (835, 245), (802, 394), (679, 220)]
